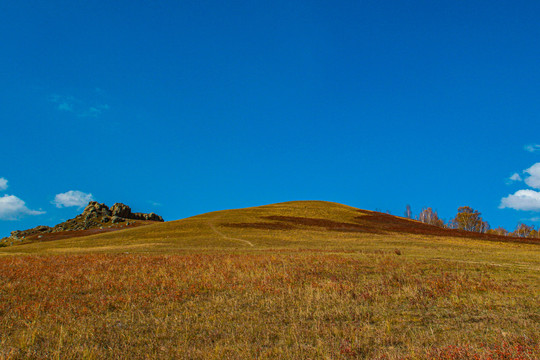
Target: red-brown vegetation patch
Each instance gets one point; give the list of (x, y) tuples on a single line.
[(390, 223), (296, 222), (513, 349), (260, 226), (371, 223), (329, 225), (61, 235)]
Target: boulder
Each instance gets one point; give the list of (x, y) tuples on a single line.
[(96, 208), (124, 211), (121, 210), (15, 234), (153, 217), (117, 219), (90, 215), (142, 216)]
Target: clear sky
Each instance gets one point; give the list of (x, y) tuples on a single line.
[(185, 107)]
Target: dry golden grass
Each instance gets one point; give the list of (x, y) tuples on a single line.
[(301, 280), (244, 306)]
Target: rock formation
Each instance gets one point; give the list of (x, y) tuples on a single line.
[(94, 215)]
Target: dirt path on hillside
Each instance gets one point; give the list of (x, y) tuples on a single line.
[(213, 227)]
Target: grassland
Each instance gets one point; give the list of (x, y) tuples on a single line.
[(299, 280)]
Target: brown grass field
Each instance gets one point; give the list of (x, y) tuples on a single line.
[(297, 280)]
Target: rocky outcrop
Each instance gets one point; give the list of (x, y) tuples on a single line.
[(94, 215), (148, 217), (119, 210), (22, 234)]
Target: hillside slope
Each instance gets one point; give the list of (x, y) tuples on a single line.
[(291, 225)]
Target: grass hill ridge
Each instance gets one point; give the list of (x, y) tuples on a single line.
[(288, 224)]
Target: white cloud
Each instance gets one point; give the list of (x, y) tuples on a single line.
[(72, 198), (77, 107), (65, 107), (522, 200), (65, 103), (515, 177), (532, 147), (94, 111), (3, 184), (534, 179), (12, 208)]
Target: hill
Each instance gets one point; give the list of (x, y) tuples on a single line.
[(295, 280), (288, 225)]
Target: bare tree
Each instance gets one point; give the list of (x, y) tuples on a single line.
[(429, 216), (408, 212), (498, 231), (484, 227), (523, 230)]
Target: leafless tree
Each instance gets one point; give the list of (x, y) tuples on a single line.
[(523, 230), (408, 212), (429, 216), (498, 231)]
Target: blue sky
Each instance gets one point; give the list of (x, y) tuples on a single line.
[(185, 107)]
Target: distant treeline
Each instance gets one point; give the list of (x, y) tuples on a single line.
[(469, 219)]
